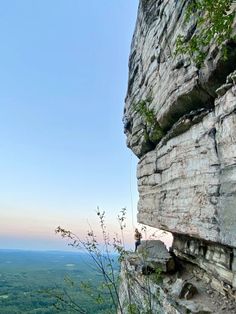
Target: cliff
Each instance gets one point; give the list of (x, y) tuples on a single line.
[(187, 149)]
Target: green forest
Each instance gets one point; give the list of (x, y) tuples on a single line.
[(51, 282)]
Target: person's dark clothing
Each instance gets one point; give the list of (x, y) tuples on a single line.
[(137, 237), (137, 243)]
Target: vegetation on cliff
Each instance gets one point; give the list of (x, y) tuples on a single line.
[(33, 282), (213, 25), (153, 131)]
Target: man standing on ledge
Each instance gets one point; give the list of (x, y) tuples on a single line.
[(137, 237)]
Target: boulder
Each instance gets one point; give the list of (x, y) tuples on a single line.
[(183, 289), (155, 257)]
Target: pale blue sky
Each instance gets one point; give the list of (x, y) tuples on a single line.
[(63, 78)]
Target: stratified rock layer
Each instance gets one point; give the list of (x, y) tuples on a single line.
[(191, 289), (175, 85), (217, 261), (180, 121), (187, 175), (188, 184)]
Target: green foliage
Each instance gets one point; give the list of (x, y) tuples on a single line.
[(105, 256), (213, 25), (148, 114), (155, 132), (134, 302), (46, 282), (132, 308), (156, 277), (60, 282)]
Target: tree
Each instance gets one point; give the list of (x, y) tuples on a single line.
[(213, 25), (105, 256)]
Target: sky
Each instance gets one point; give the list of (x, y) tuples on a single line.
[(63, 78)]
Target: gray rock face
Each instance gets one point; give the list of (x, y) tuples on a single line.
[(171, 294), (152, 257), (217, 261), (174, 84), (156, 256), (188, 184), (183, 289), (154, 249), (187, 169)]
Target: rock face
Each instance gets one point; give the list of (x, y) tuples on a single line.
[(175, 85), (217, 261), (155, 256), (186, 181), (187, 184), (185, 291), (187, 174)]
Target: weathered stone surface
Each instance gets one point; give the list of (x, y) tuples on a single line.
[(168, 295), (215, 259), (151, 257), (173, 82), (187, 185), (231, 78), (155, 255), (192, 307), (187, 175), (183, 289)]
